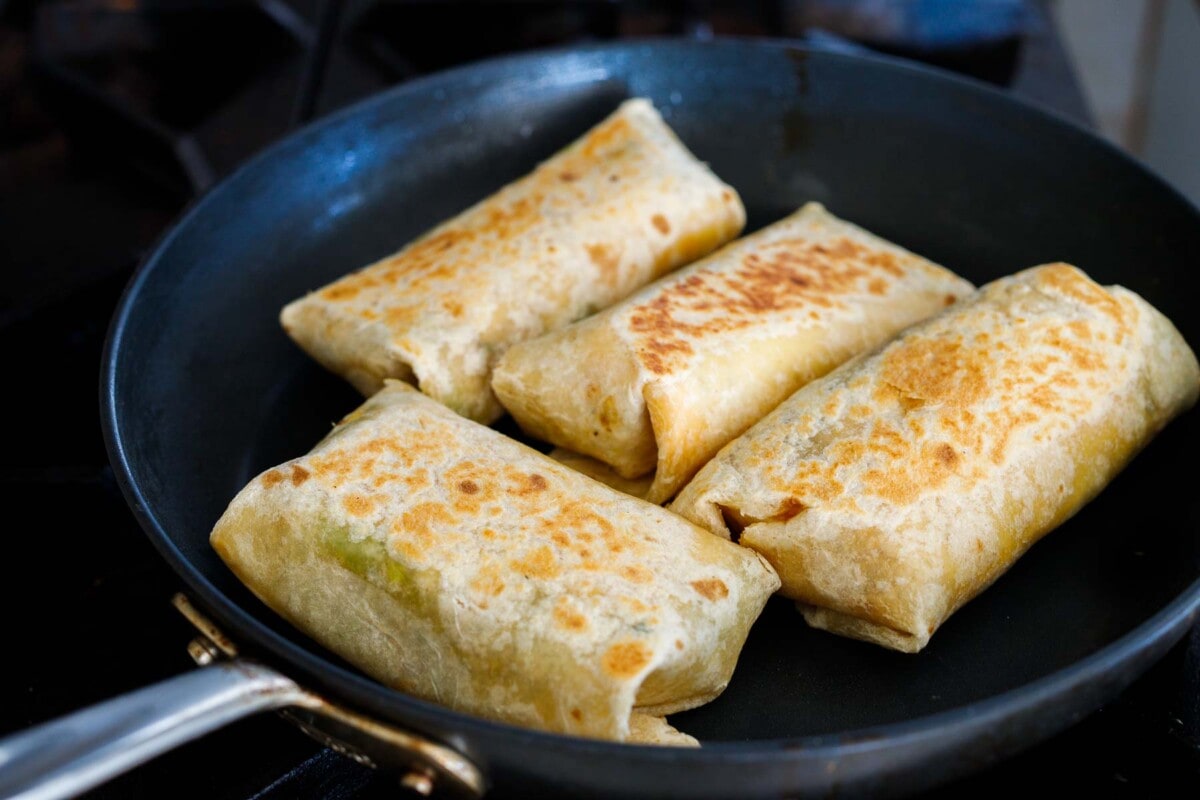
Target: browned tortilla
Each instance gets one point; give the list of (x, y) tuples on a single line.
[(658, 383), (619, 207), (896, 488), (453, 563)]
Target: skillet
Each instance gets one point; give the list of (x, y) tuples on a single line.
[(201, 390)]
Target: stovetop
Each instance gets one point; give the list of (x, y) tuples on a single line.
[(85, 190)]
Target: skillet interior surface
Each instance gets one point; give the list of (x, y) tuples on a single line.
[(203, 390)]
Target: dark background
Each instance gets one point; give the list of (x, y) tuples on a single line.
[(114, 116)]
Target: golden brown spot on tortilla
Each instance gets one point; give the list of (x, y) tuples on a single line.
[(979, 545), (605, 135), (937, 369), (606, 260), (426, 523), (626, 659), (608, 413), (877, 286), (358, 505), (1070, 282), (397, 459), (1080, 329), (504, 222), (573, 526), (576, 715), (660, 224), (1003, 425), (444, 256), (272, 478), (949, 300), (899, 478), (614, 542), (568, 617), (446, 253), (471, 487), (946, 455), (1044, 397), (885, 261), (711, 588), (335, 465), (409, 550), (679, 644), (299, 474), (790, 508), (810, 479), (523, 485), (540, 563), (488, 581), (788, 274), (416, 479), (637, 574), (428, 257), (962, 401), (727, 195), (1082, 357), (634, 604), (340, 291)]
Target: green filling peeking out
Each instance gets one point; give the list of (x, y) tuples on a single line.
[(368, 558)]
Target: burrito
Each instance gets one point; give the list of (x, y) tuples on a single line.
[(616, 209), (898, 487), (659, 383), (460, 566)]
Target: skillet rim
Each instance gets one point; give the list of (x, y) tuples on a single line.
[(1121, 660)]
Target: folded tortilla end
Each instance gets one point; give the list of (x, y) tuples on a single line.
[(864, 630), (652, 730)]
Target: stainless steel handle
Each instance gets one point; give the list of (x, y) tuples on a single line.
[(74, 753)]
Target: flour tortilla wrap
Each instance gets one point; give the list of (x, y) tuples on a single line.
[(619, 207), (659, 383), (453, 563), (895, 489)]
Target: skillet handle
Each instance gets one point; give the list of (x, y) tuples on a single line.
[(69, 755)]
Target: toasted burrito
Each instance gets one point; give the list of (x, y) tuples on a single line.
[(453, 563), (898, 487), (611, 212), (659, 383)]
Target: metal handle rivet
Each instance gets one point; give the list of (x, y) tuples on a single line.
[(203, 651), (418, 781)]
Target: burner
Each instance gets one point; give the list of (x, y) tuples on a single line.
[(138, 80)]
